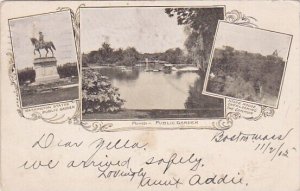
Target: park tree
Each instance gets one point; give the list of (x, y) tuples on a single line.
[(201, 25), (131, 56), (118, 55), (94, 57), (106, 53), (173, 56)]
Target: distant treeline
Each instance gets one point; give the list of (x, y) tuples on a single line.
[(200, 25), (130, 56), (258, 70), (27, 75)]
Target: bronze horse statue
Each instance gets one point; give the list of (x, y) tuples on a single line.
[(39, 45)]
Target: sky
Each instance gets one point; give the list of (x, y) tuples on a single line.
[(56, 27), (252, 40), (149, 30)]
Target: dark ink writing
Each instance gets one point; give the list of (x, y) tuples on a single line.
[(175, 160), (38, 164)]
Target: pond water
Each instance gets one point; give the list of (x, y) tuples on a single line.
[(151, 90)]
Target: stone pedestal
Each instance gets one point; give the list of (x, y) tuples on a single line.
[(45, 70)]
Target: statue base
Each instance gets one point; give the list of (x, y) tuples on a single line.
[(45, 70)]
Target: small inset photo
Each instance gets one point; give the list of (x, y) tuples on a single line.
[(45, 58), (247, 64)]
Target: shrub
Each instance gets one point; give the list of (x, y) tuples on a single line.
[(26, 75), (67, 70), (98, 94)]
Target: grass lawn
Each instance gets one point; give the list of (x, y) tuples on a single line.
[(50, 97)]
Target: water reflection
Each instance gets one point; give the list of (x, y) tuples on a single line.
[(127, 74), (151, 90)]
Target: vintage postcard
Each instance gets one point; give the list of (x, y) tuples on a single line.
[(150, 95), (248, 64)]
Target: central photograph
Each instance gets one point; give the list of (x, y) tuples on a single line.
[(147, 62)]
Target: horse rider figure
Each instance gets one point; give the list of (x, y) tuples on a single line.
[(41, 38), (41, 44)]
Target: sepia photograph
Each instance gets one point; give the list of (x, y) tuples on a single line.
[(248, 64), (45, 58), (147, 62)]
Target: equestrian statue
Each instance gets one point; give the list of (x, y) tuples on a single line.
[(41, 44)]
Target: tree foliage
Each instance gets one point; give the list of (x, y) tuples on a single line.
[(26, 75), (67, 70), (106, 55), (197, 100), (130, 56), (201, 26), (241, 71), (98, 94)]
